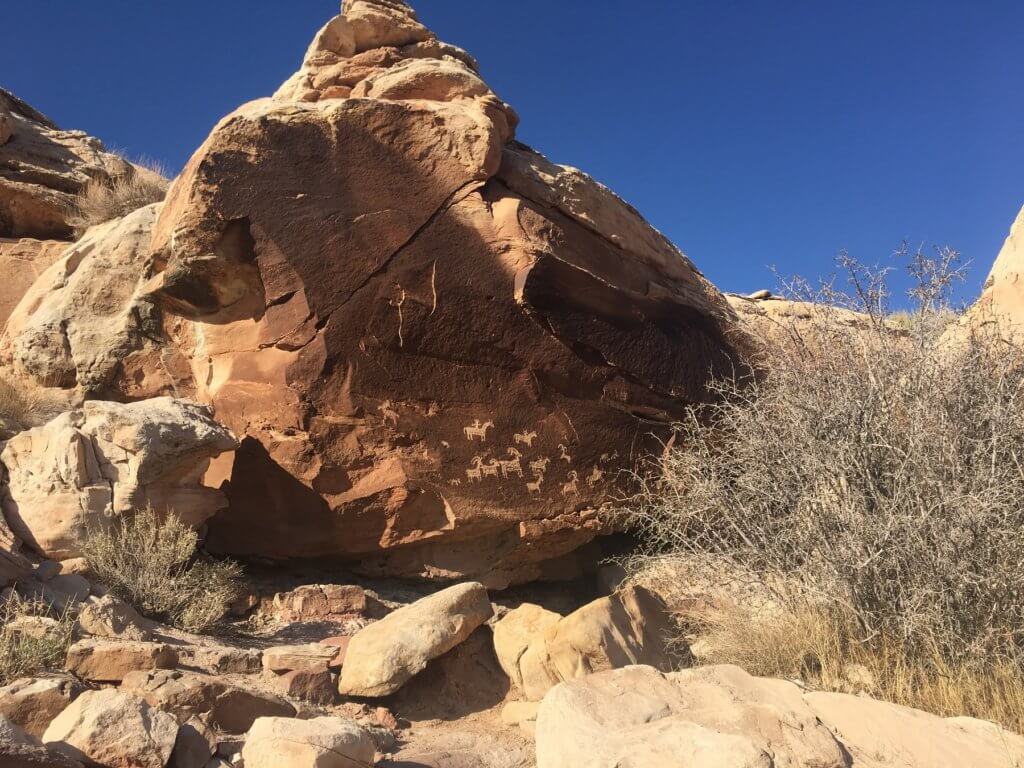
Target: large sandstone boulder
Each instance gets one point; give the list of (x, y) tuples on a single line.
[(439, 348), (710, 717), (539, 650), (113, 730), (878, 734), (42, 168), (21, 263), (383, 656), (108, 459), (110, 661), (322, 742)]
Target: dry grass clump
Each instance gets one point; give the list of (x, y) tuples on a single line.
[(152, 562), (877, 476), (23, 407), (33, 638), (102, 201)]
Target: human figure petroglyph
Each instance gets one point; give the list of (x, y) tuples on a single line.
[(540, 466), (525, 438), (534, 487), (387, 413), (512, 466), (564, 456), (569, 488), (476, 429), (596, 475)]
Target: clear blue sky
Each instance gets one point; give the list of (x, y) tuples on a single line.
[(752, 133)]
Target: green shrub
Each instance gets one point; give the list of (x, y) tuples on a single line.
[(151, 561)]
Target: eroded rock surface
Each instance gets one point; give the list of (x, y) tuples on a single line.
[(439, 348), (21, 263), (108, 459), (42, 168)]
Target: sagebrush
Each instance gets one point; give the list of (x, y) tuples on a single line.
[(101, 201), (874, 473), (33, 637), (152, 561)]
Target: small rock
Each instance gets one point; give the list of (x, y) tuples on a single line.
[(385, 655), (286, 658), (109, 617), (323, 742), (194, 746), (109, 661), (32, 702), (315, 686), (114, 730), (219, 659), (760, 295), (340, 644)]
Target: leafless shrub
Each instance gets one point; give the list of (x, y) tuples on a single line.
[(875, 475), (33, 638), (151, 561), (101, 201), (24, 406)]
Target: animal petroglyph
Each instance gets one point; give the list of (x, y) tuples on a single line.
[(606, 457), (534, 487), (475, 472), (540, 466), (478, 430), (525, 438), (564, 455), (596, 475), (491, 469), (569, 488), (455, 481), (387, 413), (445, 444), (512, 466)]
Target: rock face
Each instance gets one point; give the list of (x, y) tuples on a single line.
[(999, 311), (710, 717), (383, 656), (879, 735), (323, 742), (21, 262), (439, 348), (114, 730), (538, 650), (42, 168), (19, 749), (109, 459)]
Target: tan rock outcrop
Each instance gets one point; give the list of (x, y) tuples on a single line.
[(42, 168), (21, 263), (108, 459), (878, 734), (385, 655), (114, 730), (998, 314), (285, 658), (322, 742), (440, 348), (539, 650), (709, 717)]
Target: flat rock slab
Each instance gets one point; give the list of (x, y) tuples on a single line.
[(109, 661), (323, 742)]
